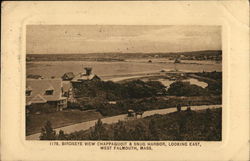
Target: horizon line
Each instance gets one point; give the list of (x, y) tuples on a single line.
[(125, 53)]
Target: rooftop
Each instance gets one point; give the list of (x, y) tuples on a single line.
[(38, 90)]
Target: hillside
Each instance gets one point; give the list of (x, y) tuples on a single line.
[(204, 125)]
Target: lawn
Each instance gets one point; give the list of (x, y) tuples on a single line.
[(35, 122)]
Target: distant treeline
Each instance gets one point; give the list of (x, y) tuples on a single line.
[(115, 56), (67, 57)]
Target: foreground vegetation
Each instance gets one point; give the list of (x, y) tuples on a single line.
[(186, 125), (35, 122)]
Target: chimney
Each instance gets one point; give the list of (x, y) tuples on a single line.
[(88, 70)]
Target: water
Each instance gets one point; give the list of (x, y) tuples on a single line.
[(107, 69)]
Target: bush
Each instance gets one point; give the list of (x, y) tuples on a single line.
[(114, 91), (73, 105), (212, 75), (140, 89), (180, 88), (98, 132), (215, 88), (47, 133)]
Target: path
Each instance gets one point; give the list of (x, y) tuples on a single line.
[(115, 119)]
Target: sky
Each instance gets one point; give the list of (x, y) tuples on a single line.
[(82, 39)]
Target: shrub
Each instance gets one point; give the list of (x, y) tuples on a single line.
[(61, 135), (119, 131), (114, 91), (180, 88), (47, 133), (98, 133)]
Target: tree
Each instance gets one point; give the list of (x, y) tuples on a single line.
[(61, 135), (98, 133), (47, 132), (180, 88), (120, 132)]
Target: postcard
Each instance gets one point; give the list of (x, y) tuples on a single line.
[(125, 80)]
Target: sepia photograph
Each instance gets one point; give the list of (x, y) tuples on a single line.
[(123, 82)]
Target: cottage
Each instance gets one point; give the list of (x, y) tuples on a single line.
[(82, 77), (80, 81), (45, 95)]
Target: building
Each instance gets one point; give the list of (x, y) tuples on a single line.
[(85, 76), (81, 81), (45, 95)]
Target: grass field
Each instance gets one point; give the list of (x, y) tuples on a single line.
[(35, 122)]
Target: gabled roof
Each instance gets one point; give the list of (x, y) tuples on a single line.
[(38, 88), (83, 77), (69, 75)]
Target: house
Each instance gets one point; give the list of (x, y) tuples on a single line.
[(81, 80), (68, 76), (85, 76), (45, 95)]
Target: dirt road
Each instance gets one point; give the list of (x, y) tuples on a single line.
[(114, 119)]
